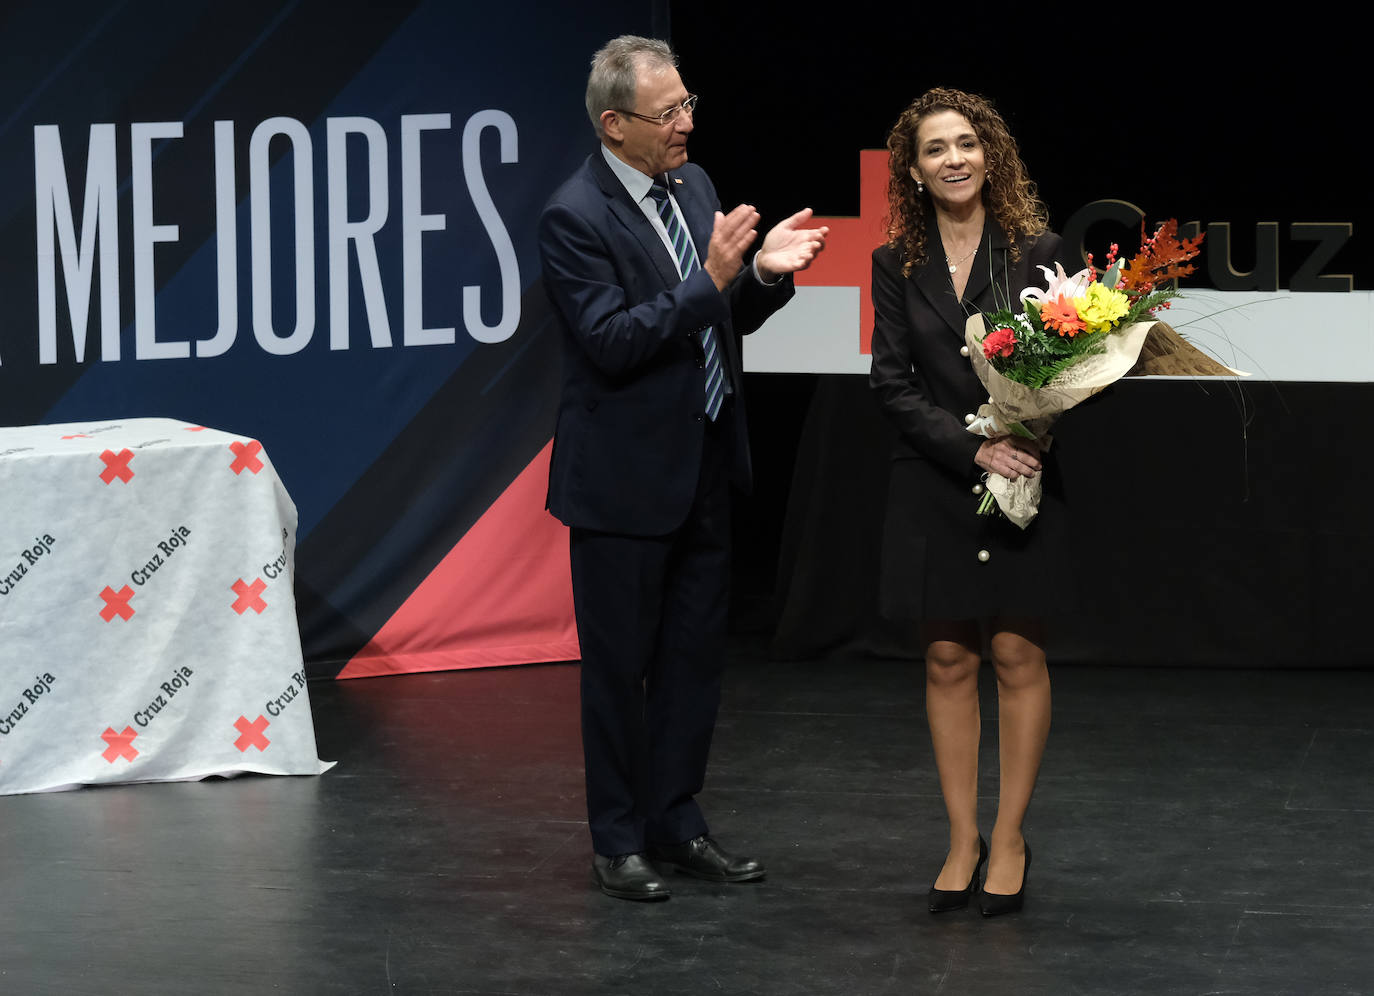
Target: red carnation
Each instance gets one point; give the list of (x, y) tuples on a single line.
[(999, 342)]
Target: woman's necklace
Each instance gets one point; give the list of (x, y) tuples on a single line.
[(954, 263), (952, 259)]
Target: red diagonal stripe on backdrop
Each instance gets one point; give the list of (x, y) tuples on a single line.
[(502, 595), (848, 257)]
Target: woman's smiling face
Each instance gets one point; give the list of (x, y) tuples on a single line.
[(949, 160)]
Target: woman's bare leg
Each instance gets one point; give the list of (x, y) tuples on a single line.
[(952, 659), (1023, 719)]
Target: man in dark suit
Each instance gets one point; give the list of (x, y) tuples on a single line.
[(648, 280)]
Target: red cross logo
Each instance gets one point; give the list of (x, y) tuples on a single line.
[(249, 596), (246, 456), (252, 733), (117, 465), (121, 744), (117, 603), (848, 257)]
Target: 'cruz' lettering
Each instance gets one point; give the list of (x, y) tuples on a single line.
[(14, 716), (145, 715), (276, 706), (1218, 265), (142, 574), (276, 568), (11, 579)]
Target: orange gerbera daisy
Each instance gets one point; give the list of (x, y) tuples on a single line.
[(1061, 315)]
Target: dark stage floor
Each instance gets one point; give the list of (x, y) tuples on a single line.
[(1194, 832)]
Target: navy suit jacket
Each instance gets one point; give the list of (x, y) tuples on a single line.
[(631, 424)]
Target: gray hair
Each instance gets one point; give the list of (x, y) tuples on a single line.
[(611, 85)]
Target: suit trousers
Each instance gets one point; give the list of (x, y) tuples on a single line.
[(651, 620)]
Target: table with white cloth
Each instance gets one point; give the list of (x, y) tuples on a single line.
[(147, 619)]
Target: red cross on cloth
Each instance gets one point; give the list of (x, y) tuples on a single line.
[(117, 603), (246, 456), (117, 465), (252, 733), (120, 744), (249, 596)]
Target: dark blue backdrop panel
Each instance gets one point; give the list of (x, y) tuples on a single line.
[(223, 170)]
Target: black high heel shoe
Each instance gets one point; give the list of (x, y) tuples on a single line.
[(995, 903), (948, 900)]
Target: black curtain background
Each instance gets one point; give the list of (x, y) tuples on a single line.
[(1219, 523)]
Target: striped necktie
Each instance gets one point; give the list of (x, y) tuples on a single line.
[(687, 264)]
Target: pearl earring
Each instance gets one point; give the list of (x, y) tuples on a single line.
[(920, 187)]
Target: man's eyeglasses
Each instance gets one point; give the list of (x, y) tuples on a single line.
[(670, 115)]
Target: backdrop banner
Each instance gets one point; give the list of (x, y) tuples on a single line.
[(314, 223)]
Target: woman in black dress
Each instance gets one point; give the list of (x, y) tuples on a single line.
[(966, 232)]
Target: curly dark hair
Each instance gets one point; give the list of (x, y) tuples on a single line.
[(1007, 192)]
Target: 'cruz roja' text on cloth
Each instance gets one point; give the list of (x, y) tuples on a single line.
[(147, 619)]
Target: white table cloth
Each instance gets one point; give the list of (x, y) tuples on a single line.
[(147, 619)]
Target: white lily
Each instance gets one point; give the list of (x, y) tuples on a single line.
[(1060, 285)]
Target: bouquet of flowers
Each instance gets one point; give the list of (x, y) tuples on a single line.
[(1071, 340)]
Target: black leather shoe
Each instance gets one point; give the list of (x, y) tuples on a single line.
[(995, 903), (629, 876), (702, 857), (948, 900)]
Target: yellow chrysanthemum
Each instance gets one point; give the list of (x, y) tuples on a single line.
[(1101, 306)]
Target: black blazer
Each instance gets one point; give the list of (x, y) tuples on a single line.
[(923, 381), (940, 560), (627, 448)]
